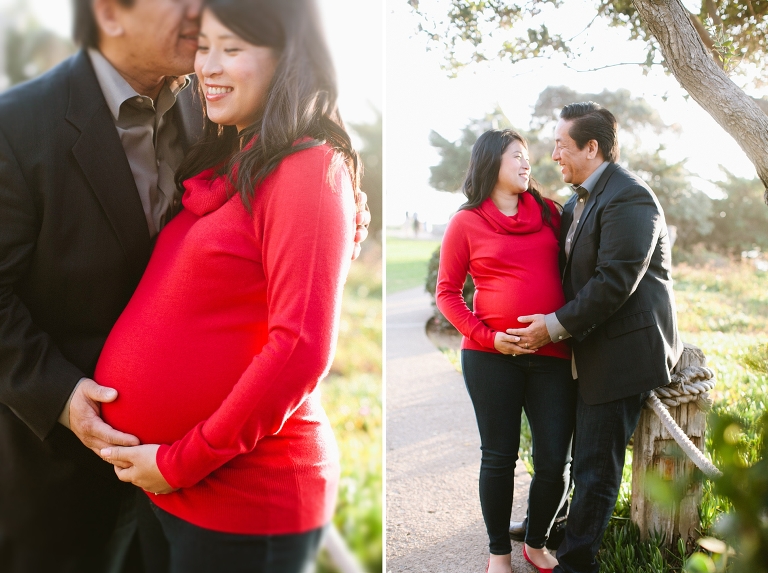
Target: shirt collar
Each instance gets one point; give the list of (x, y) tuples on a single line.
[(589, 184), (116, 89)]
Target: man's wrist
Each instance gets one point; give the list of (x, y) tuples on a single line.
[(64, 416), (557, 332)]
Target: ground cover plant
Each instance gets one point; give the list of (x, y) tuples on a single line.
[(352, 398), (722, 309)]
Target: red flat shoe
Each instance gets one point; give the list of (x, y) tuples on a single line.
[(539, 569)]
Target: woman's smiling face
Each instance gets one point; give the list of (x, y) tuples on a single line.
[(235, 75), (515, 168)]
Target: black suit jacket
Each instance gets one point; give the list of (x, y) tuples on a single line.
[(73, 237), (620, 306), (73, 245)]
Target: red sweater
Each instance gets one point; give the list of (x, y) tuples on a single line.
[(219, 353), (514, 263)]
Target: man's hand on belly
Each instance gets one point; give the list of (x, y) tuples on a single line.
[(85, 417), (138, 465), (533, 336)]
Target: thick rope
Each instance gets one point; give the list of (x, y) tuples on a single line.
[(691, 383)]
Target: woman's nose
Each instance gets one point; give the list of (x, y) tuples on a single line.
[(211, 65)]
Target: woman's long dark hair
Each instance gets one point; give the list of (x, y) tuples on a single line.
[(300, 103), (483, 171)]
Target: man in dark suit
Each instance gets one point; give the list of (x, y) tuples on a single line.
[(619, 312), (87, 159), (87, 155)]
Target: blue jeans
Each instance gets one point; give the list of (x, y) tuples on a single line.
[(599, 445), (500, 387), (172, 545)]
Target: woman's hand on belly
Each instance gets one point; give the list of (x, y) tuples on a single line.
[(138, 465), (508, 344)]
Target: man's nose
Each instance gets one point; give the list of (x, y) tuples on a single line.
[(194, 7)]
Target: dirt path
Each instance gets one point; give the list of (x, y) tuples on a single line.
[(433, 517)]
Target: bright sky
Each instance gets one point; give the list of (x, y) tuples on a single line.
[(420, 97), (357, 49)]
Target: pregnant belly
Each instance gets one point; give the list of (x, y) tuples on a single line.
[(166, 388)]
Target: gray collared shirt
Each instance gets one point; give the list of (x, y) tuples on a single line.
[(149, 136), (584, 191)]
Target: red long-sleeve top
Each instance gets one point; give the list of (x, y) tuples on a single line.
[(513, 262), (219, 353)]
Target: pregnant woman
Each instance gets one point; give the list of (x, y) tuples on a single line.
[(218, 355), (506, 237)]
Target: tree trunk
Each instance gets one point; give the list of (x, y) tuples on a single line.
[(655, 451), (690, 62)]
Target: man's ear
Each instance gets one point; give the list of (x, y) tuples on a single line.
[(106, 14), (593, 148)]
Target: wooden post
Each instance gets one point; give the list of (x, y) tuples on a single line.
[(655, 450)]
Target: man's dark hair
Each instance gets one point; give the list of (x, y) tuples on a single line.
[(590, 121), (85, 31)]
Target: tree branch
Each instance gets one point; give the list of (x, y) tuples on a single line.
[(567, 65), (706, 38), (689, 61), (712, 12)]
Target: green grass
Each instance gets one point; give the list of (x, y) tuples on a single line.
[(407, 262), (352, 398)]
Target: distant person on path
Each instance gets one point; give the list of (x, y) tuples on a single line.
[(620, 315), (506, 237)]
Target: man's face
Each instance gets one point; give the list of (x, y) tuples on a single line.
[(575, 164), (161, 35)]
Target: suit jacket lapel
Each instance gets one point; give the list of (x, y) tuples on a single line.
[(591, 202), (100, 155), (189, 115)]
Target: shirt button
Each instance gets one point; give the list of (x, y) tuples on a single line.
[(559, 337), (581, 200)]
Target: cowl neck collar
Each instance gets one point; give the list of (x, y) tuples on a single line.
[(527, 220), (206, 192)]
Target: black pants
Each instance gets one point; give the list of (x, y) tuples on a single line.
[(172, 545), (599, 446), (500, 387)]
